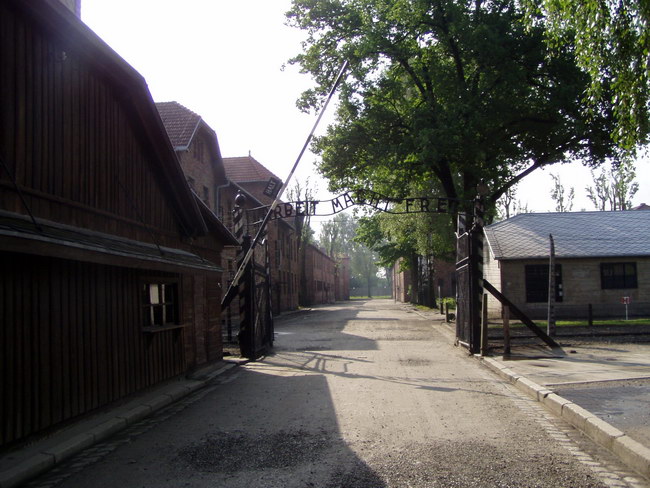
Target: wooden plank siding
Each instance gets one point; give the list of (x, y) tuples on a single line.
[(70, 142), (79, 344), (85, 153)]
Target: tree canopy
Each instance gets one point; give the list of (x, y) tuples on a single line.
[(612, 45), (444, 94)]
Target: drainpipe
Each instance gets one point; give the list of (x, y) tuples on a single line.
[(217, 195)]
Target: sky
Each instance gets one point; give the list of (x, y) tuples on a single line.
[(224, 59)]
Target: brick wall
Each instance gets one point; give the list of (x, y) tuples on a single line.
[(581, 284), (199, 167), (319, 276)]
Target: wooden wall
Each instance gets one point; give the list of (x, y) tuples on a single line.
[(72, 341), (71, 337), (66, 135)]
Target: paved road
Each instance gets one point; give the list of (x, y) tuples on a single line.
[(364, 394)]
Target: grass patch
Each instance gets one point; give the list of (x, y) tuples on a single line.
[(581, 323)]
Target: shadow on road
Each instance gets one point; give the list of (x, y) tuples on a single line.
[(271, 430)]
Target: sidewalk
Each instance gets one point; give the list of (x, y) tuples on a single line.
[(541, 372), (23, 464)]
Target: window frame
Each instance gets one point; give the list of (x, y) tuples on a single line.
[(629, 281), (164, 313), (559, 290)]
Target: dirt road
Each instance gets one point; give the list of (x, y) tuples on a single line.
[(362, 394)]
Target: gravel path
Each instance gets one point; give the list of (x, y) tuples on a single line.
[(358, 395)]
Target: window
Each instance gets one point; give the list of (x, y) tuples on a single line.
[(159, 304), (537, 283), (618, 275)]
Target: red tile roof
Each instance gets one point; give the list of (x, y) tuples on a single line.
[(181, 123), (246, 169)]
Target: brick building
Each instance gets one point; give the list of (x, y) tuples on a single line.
[(197, 147), (424, 280), (342, 279), (249, 176), (600, 257), (218, 181), (319, 278)]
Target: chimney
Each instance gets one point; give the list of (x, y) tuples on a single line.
[(73, 5)]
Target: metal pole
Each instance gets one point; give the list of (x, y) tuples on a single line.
[(550, 329), (506, 331), (271, 210), (484, 326)]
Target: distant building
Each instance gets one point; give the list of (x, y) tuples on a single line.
[(250, 176), (320, 277), (424, 280)]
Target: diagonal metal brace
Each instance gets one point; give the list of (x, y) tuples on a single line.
[(519, 314)]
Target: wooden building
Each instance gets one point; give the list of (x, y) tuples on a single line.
[(110, 278)]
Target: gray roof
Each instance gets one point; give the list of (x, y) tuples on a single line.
[(576, 235)]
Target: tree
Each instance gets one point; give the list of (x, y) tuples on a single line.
[(563, 200), (302, 193), (393, 236), (339, 238), (450, 93), (612, 42), (613, 189), (336, 235), (508, 206)]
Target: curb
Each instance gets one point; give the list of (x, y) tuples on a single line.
[(630, 452), (63, 445)]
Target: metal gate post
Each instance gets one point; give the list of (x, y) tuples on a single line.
[(476, 277), (269, 329), (246, 305)]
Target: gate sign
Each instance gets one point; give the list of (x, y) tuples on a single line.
[(272, 187), (324, 208)]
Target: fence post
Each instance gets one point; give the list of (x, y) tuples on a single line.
[(476, 276), (550, 326), (484, 327), (506, 331)]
